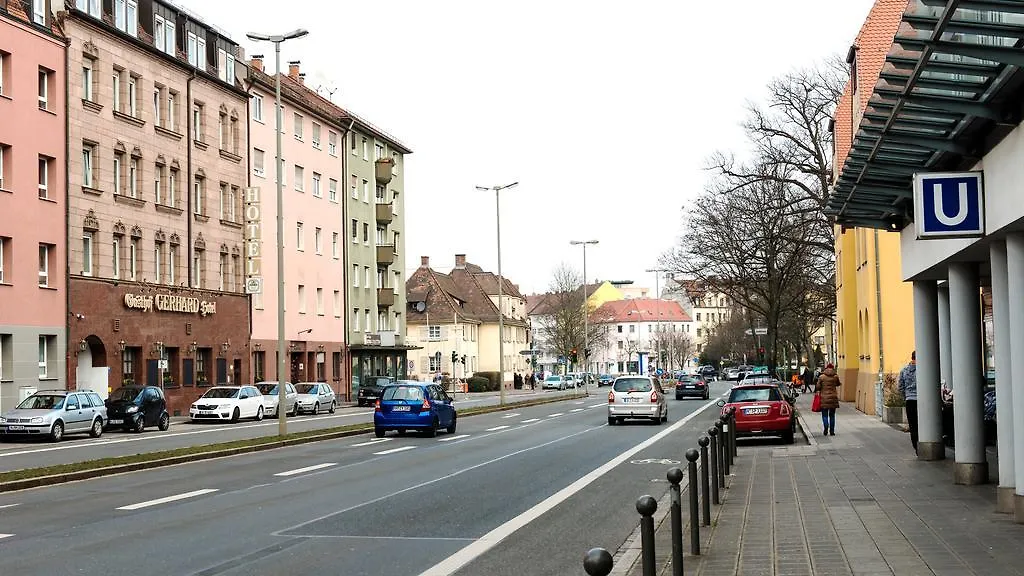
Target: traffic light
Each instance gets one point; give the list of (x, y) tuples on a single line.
[(572, 356), (455, 358), (586, 353), (463, 359)]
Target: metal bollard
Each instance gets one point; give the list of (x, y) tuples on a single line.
[(713, 433), (646, 505), (598, 562), (675, 476), (705, 485), (732, 417), (691, 468), (720, 454), (725, 445)]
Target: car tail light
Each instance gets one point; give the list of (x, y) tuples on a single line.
[(785, 409), (425, 406), (611, 397), (376, 406), (654, 397)]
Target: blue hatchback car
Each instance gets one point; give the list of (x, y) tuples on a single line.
[(409, 405)]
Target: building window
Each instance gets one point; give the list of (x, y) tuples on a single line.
[(366, 320), (355, 320), (332, 190), (158, 262), (115, 253), (158, 106), (203, 356), (302, 299), (90, 6), (226, 66), (4, 153), (366, 277), (88, 152), (4, 243), (318, 240), (300, 178), (87, 79), (87, 253), (355, 230), (366, 233), (223, 272), (133, 259), (126, 16), (163, 35), (337, 304), (236, 273), (197, 196), (316, 186), (196, 50), (297, 120), (44, 355), (172, 188), (222, 135), (133, 177), (197, 123), (366, 191), (172, 263), (355, 276), (259, 361), (172, 111), (228, 198), (158, 178), (45, 164), (257, 107), (133, 96), (319, 301), (300, 236), (257, 162), (118, 173), (45, 78), (332, 143), (433, 333), (316, 136), (116, 89), (354, 185), (383, 322), (378, 151), (394, 165), (352, 142), (197, 268), (45, 253), (334, 245), (366, 150)]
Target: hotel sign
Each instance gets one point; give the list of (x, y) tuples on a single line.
[(169, 303), (253, 241)]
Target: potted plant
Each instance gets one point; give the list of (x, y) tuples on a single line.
[(893, 401)]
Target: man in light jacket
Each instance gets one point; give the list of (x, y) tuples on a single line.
[(908, 388)]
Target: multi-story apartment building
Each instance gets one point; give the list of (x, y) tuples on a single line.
[(33, 284), (157, 126), (541, 310), (707, 307), (374, 188), (636, 326), (458, 312), (313, 137)]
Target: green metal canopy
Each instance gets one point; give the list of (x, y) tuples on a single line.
[(950, 89)]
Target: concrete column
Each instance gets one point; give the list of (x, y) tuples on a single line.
[(1015, 285), (926, 343), (1004, 390), (968, 408), (945, 354)]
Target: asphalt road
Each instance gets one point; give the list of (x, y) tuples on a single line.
[(17, 454), (523, 492)]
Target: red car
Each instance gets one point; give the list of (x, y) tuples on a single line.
[(761, 411)]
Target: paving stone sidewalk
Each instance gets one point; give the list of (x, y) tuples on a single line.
[(858, 503)]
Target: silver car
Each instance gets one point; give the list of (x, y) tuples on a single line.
[(270, 398), (314, 397), (636, 397), (55, 413)]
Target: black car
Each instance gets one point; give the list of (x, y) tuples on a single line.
[(692, 387), (370, 391), (136, 407)]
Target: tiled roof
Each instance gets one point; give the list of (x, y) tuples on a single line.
[(640, 310), (489, 284), (460, 292), (540, 304)]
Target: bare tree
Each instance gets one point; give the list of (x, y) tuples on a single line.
[(562, 327), (676, 347)]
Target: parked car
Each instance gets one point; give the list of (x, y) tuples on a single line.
[(636, 397), (554, 382), (571, 381), (314, 397), (692, 387), (761, 410), (136, 407), (56, 413), (228, 403), (371, 388), (605, 380), (408, 405), (271, 398)]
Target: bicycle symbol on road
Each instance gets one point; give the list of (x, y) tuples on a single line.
[(662, 461)]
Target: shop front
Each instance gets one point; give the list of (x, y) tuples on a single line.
[(368, 360), (180, 339)]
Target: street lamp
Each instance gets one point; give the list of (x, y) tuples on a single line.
[(501, 287), (282, 421), (586, 309), (657, 307)]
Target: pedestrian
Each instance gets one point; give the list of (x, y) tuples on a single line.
[(828, 389), (908, 388), (808, 379)]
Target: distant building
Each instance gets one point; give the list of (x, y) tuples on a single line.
[(706, 306), (541, 307), (633, 326)]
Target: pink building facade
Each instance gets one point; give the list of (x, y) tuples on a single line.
[(33, 284), (312, 144)]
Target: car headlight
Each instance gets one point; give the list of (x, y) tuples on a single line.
[(3, 420), (37, 420), (132, 409)]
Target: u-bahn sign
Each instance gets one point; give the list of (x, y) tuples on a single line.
[(949, 205), (253, 241)]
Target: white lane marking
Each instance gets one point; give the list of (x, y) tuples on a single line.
[(598, 405), (555, 414), (450, 438), (577, 410), (174, 498), (307, 469), (371, 442), (531, 420), (393, 450), (9, 506), (512, 415), (453, 563), (496, 428), (580, 402), (2, 536)]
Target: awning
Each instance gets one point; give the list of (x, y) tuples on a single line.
[(948, 92)]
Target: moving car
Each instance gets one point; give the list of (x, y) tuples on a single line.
[(408, 405), (270, 398), (554, 382), (605, 380), (692, 387), (636, 397), (56, 413), (228, 403), (136, 407), (761, 410), (314, 397), (370, 390)]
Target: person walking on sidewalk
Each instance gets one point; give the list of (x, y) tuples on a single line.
[(827, 388), (908, 388)]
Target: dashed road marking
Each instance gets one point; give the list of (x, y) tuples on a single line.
[(598, 405), (2, 536), (555, 414), (168, 499), (450, 438), (512, 415), (496, 428), (307, 469), (393, 450), (531, 420), (577, 410), (371, 442)]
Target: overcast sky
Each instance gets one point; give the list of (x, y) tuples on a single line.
[(603, 111)]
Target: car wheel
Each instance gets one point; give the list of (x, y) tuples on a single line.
[(259, 413), (333, 406), (432, 431), (664, 417), (788, 437), (378, 432), (611, 421), (359, 403), (97, 428), (57, 432), (164, 423), (295, 410), (139, 424), (316, 409), (451, 427), (236, 415)]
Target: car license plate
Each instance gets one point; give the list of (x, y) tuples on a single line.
[(113, 422), (631, 400), (754, 411), (691, 387), (207, 412), (15, 427), (400, 409)]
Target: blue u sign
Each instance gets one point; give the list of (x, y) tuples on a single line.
[(949, 205)]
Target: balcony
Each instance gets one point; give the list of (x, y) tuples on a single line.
[(384, 168), (384, 213), (386, 254), (385, 297)]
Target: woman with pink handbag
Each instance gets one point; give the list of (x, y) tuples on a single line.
[(826, 398)]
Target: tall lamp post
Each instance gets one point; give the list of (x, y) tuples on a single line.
[(501, 289), (657, 307), (277, 39), (586, 308)]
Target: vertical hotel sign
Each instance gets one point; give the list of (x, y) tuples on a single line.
[(253, 242)]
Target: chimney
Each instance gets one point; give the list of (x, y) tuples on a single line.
[(302, 78), (257, 62), (460, 260), (424, 261), (293, 69)]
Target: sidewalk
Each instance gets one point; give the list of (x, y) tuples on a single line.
[(857, 504)]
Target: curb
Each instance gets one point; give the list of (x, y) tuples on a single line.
[(804, 429), (54, 479)]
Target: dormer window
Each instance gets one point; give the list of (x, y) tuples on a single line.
[(851, 59)]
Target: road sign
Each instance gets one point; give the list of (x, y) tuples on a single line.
[(254, 285), (760, 331), (949, 204)]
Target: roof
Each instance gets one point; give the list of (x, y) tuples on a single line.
[(541, 304), (947, 93), (640, 310), (489, 283), (459, 293)]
